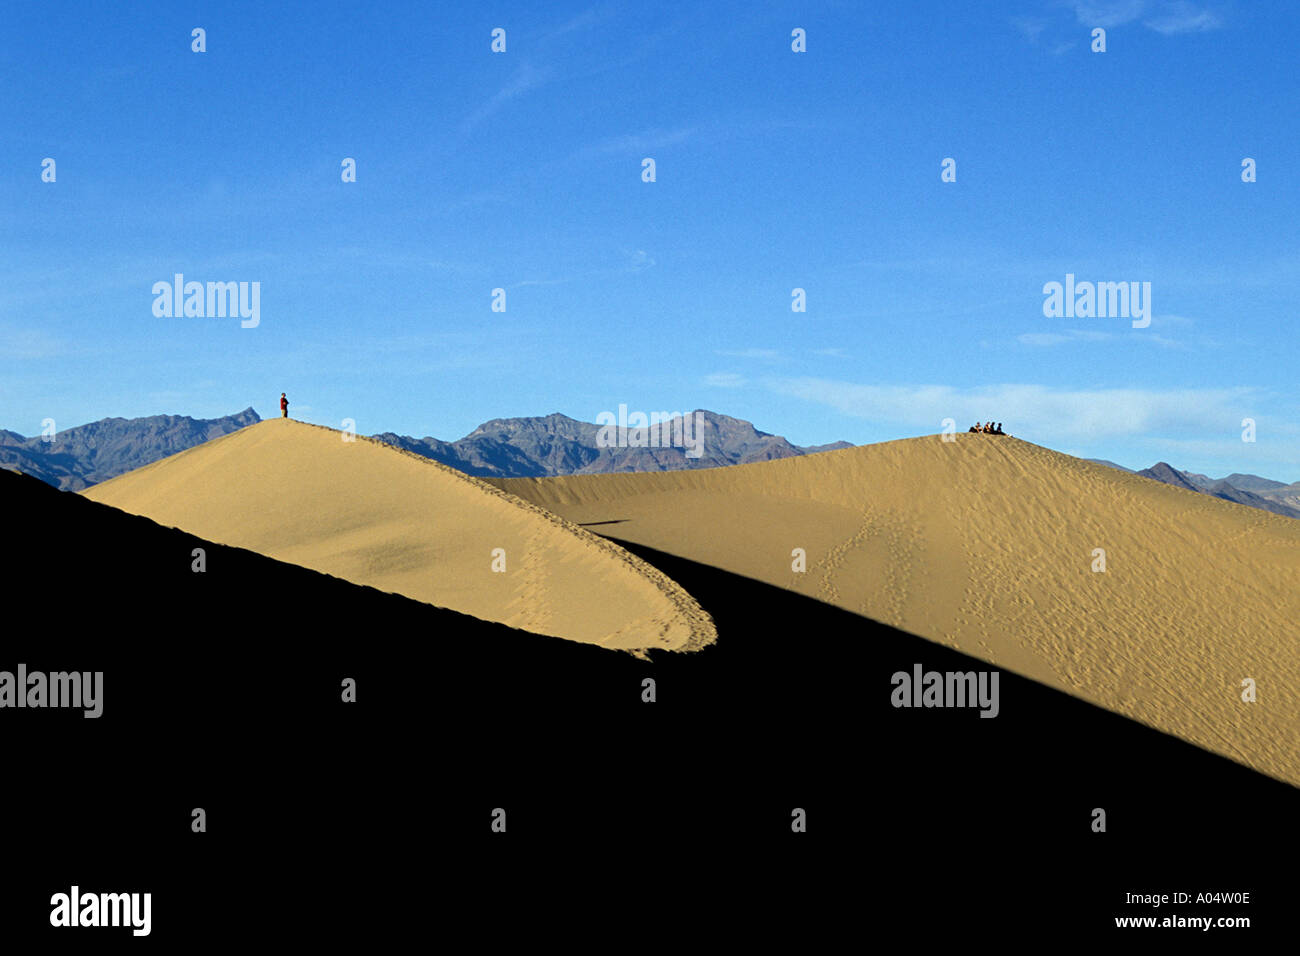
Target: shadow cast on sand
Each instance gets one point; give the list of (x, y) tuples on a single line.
[(222, 690)]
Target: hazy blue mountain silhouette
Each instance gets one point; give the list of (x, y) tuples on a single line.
[(1167, 473), (88, 454), (1108, 463), (502, 448), (1254, 483), (1277, 497), (558, 445)]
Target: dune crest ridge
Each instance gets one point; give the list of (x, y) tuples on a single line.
[(376, 515), (987, 544)]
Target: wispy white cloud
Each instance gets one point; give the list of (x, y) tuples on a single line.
[(1167, 17), (583, 21), (1266, 455), (638, 260), (526, 78), (30, 343), (1030, 27), (388, 257), (1143, 336), (1183, 18), (1060, 338), (638, 143), (528, 282), (476, 199), (1067, 414), (633, 260), (725, 380), (1108, 13), (767, 354)]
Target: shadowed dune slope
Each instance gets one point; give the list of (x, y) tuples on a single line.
[(986, 544), (381, 517)]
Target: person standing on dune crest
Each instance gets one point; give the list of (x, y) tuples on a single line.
[(284, 406)]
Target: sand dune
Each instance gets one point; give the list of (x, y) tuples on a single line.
[(378, 516), (986, 544)]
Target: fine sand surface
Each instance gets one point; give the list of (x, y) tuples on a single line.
[(986, 544), (375, 515)]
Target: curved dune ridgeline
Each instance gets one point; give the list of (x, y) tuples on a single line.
[(378, 516), (986, 545)]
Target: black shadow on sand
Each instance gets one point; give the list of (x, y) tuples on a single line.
[(222, 691)]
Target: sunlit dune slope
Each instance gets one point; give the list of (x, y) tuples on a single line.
[(378, 516), (987, 544)]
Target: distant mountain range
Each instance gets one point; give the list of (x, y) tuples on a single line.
[(88, 454), (1250, 490), (502, 448), (559, 445), (512, 448)]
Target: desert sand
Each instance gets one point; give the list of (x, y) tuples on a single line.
[(986, 544), (375, 515)]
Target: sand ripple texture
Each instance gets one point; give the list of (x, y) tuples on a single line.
[(379, 516), (986, 544)]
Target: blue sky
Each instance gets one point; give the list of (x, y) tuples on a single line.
[(775, 170)]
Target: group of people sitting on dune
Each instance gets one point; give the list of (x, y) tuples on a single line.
[(987, 428)]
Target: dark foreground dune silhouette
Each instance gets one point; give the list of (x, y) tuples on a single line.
[(222, 691)]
